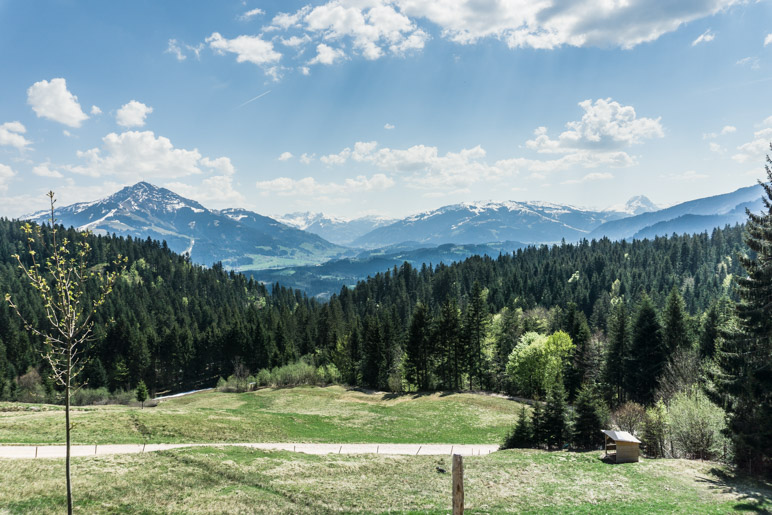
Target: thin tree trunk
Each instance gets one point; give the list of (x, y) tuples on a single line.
[(67, 429)]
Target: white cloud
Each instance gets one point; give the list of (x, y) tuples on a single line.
[(95, 111), (305, 70), (132, 114), (754, 151), (306, 158), (327, 55), (606, 124), (6, 174), (174, 49), (251, 14), (542, 24), (715, 147), (705, 37), (388, 126), (252, 49), (217, 191), (308, 186), (594, 176), (751, 62), (11, 134), (295, 41), (44, 170), (285, 156), (135, 155), (768, 40), (67, 133), (52, 100), (728, 129)]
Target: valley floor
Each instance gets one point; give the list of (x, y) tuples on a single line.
[(244, 480)]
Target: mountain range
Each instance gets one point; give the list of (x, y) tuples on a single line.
[(300, 242), (235, 237)]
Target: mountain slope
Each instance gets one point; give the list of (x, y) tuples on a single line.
[(238, 238), (483, 222), (337, 230), (703, 214)]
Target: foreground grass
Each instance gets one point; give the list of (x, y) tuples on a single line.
[(303, 414), (239, 480)]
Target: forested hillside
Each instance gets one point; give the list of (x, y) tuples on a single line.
[(175, 325)]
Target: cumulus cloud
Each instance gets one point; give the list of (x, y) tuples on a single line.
[(11, 134), (728, 129), (325, 54), (388, 126), (6, 174), (52, 100), (285, 156), (306, 158), (217, 191), (705, 37), (309, 186), (768, 40), (755, 150), (132, 114), (95, 111), (134, 154), (44, 170), (251, 49), (606, 124), (715, 147)]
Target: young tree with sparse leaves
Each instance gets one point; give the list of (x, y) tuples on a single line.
[(141, 393), (65, 283)]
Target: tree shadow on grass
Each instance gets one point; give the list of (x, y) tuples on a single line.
[(754, 495)]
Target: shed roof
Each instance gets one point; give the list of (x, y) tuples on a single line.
[(620, 436)]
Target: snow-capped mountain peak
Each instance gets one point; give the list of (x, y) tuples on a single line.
[(636, 205)]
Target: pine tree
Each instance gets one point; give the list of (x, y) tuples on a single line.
[(538, 425), (743, 387), (648, 355), (474, 330)]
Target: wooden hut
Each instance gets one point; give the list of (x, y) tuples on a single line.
[(621, 446)]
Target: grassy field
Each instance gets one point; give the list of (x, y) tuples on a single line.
[(304, 414), (239, 480)]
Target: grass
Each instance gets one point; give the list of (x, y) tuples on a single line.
[(240, 480), (304, 414)]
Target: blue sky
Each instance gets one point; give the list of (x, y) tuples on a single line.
[(389, 107)]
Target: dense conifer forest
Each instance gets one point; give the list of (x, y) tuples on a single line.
[(178, 325)]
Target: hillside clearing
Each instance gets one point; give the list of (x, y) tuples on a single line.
[(240, 480), (303, 414)]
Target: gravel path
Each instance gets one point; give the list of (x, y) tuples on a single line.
[(58, 451)]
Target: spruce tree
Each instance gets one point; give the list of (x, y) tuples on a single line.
[(521, 436), (648, 355), (538, 425), (618, 353), (418, 352), (743, 386), (588, 419), (675, 332), (555, 423)]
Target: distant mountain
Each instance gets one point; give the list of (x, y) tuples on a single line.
[(336, 230), (635, 206), (698, 215), (484, 222), (328, 278), (238, 238)]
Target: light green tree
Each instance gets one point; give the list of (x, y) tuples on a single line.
[(71, 292)]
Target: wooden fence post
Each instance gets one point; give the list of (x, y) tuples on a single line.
[(458, 485)]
